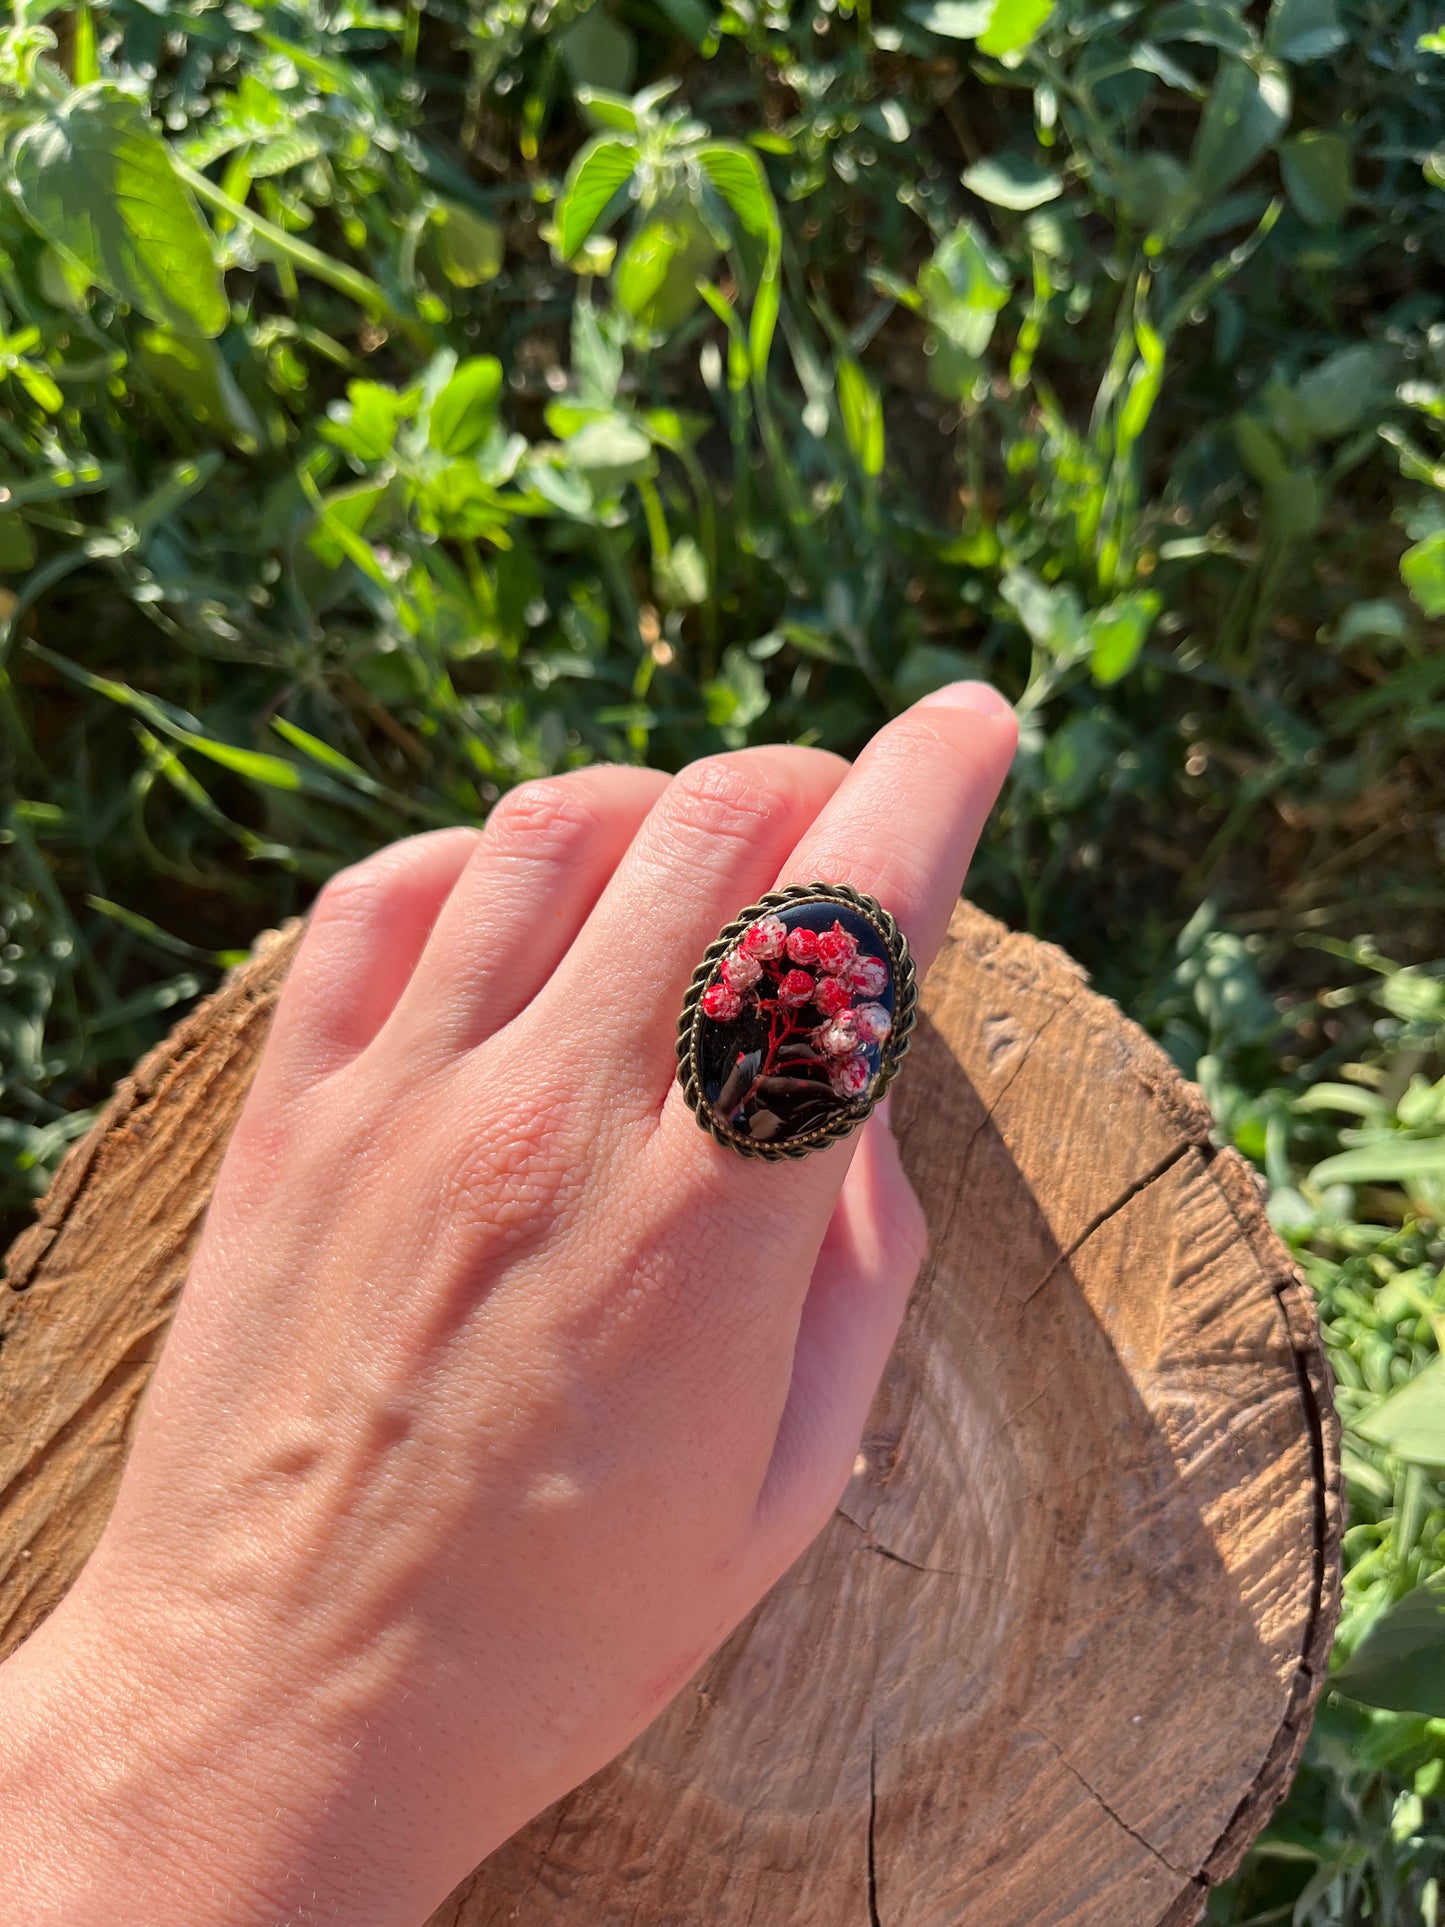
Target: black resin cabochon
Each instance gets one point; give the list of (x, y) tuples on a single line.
[(773, 1072)]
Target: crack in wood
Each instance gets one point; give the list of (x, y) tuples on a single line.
[(873, 1917), (1107, 1806)]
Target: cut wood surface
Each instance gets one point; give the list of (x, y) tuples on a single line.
[(1055, 1656)]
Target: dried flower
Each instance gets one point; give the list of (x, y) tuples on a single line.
[(850, 1076), (721, 1002), (831, 996), (866, 976), (838, 1037), (795, 989), (764, 939), (873, 1022), (740, 971), (803, 946), (836, 949)]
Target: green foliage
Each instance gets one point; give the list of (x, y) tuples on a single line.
[(397, 405)]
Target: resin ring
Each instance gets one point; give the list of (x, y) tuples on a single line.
[(796, 1020)]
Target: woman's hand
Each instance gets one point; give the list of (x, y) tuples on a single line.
[(498, 1392)]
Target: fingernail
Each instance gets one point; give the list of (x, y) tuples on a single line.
[(981, 697)]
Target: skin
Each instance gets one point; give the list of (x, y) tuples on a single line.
[(498, 1392)]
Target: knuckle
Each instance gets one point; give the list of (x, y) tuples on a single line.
[(516, 1173), (358, 890), (720, 796), (539, 816)]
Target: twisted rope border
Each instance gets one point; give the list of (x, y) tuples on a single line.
[(905, 1015)]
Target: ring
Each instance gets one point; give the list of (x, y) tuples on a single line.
[(796, 1020)]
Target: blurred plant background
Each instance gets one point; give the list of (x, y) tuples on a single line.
[(400, 402)]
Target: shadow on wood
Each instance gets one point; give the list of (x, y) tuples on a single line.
[(1054, 1658)]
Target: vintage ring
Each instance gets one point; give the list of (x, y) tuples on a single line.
[(796, 1020)]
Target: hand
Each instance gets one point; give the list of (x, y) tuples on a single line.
[(498, 1392)]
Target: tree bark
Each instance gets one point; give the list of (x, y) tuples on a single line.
[(1054, 1659)]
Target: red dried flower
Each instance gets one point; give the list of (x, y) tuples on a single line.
[(721, 1001), (803, 946), (850, 1076), (839, 1037), (740, 972), (873, 1022), (836, 949), (831, 996), (764, 939), (795, 989), (866, 976)]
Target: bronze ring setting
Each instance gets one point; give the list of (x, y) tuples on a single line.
[(796, 1020)]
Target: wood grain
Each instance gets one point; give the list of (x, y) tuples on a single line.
[(1055, 1657)]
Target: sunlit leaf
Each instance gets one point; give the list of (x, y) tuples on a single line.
[(1118, 632), (465, 409), (862, 412), (1411, 1422), (954, 19), (1422, 569), (97, 181), (1393, 1159), (737, 174), (601, 169), (1013, 181), (469, 247), (1013, 26)]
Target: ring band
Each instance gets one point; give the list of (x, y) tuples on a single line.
[(796, 1020)]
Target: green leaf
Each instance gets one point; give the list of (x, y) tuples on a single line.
[(595, 49), (1304, 29), (657, 274), (17, 545), (954, 19), (737, 174), (739, 696), (1118, 632), (194, 371), (963, 286), (1014, 26), (1012, 180), (341, 522), (862, 412), (322, 753), (1051, 613), (1422, 570), (682, 578), (365, 424), (1337, 394), (98, 183), (929, 666), (1411, 1422), (1394, 1159), (613, 448), (1210, 23), (469, 248), (1400, 1664), (691, 18), (1248, 108), (466, 408), (1318, 170), (604, 166), (605, 109)]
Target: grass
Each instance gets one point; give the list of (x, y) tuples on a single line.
[(399, 403)]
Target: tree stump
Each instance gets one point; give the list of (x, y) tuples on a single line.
[(1054, 1658)]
